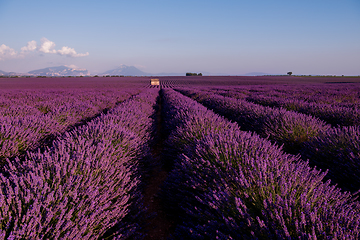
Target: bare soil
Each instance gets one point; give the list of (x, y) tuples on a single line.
[(159, 226)]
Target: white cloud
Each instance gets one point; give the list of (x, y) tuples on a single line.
[(7, 52), (31, 46), (47, 46), (70, 52)]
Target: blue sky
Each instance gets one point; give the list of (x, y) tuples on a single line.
[(229, 37)]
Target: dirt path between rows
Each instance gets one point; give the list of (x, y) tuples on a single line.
[(159, 226)]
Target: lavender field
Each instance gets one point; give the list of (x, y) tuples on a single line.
[(270, 157)]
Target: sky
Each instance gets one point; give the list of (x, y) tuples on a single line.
[(216, 37)]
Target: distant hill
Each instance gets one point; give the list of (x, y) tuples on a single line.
[(126, 71), (167, 74), (75, 71), (60, 71), (133, 71), (2, 73), (256, 74), (121, 70)]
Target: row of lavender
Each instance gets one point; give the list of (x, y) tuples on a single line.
[(285, 127), (165, 83), (86, 185), (340, 94), (336, 149), (29, 116), (333, 114), (337, 104), (231, 184)]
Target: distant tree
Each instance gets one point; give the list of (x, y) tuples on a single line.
[(193, 74), (289, 73)]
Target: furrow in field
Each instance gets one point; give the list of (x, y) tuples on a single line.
[(159, 224)]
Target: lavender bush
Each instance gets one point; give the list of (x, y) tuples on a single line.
[(229, 184), (335, 149), (338, 150), (333, 114), (27, 117), (86, 185), (284, 127), (337, 104)]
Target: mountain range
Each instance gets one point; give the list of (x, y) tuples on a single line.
[(121, 70), (51, 72), (133, 71), (126, 71), (60, 71), (2, 73)]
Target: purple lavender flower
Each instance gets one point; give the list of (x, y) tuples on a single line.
[(86, 185)]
